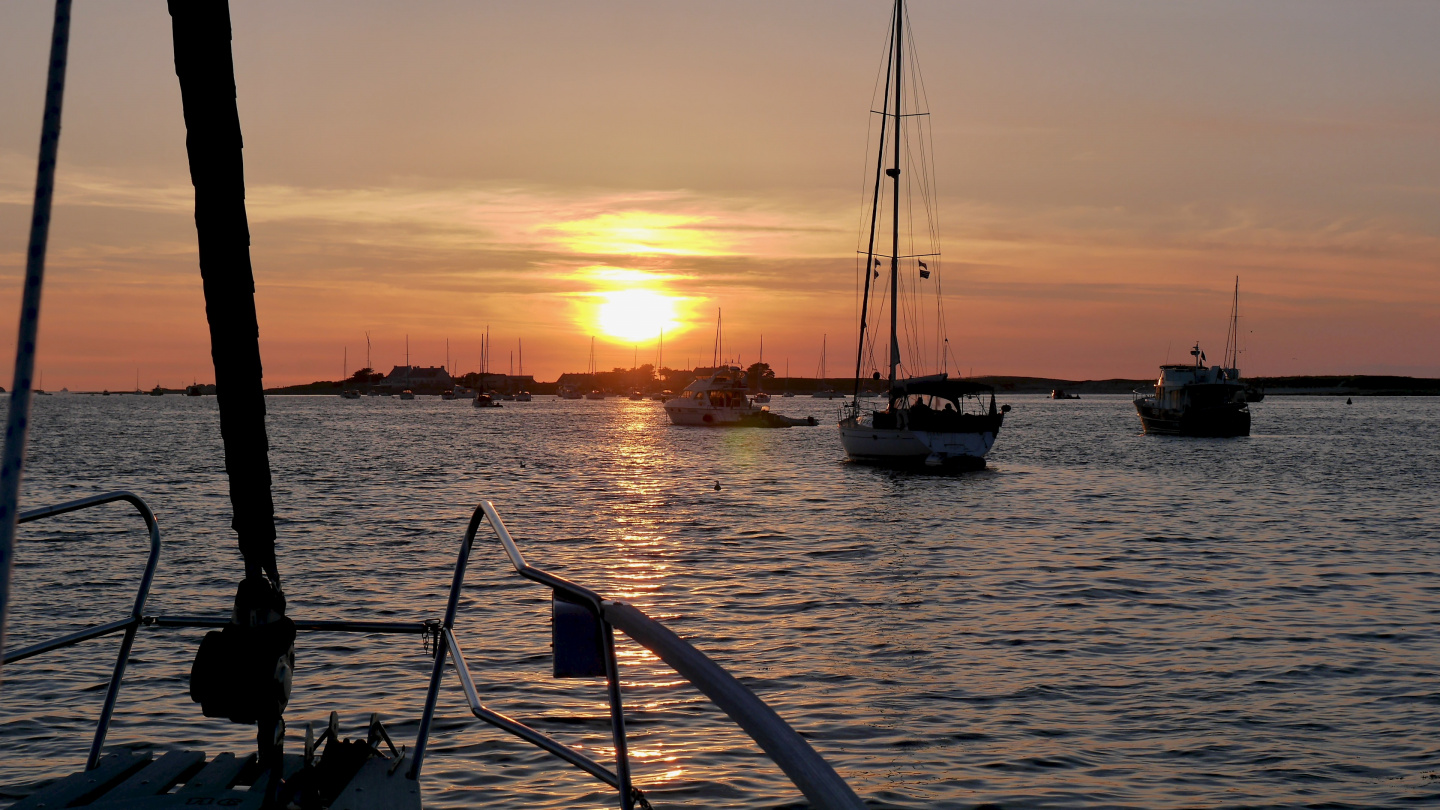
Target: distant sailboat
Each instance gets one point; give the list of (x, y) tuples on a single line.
[(825, 391)]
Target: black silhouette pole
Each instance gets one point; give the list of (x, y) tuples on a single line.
[(257, 648), (17, 424), (207, 88)]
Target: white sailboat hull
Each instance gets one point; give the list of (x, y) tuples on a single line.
[(899, 446)]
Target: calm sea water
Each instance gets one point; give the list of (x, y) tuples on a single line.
[(1101, 619)]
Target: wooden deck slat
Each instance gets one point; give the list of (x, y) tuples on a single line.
[(157, 777), (113, 768), (219, 774)]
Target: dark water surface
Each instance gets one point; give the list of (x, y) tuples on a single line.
[(1102, 619)]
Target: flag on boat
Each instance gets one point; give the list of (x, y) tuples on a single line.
[(924, 270), (877, 272)]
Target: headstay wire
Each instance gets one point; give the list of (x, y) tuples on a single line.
[(17, 423)]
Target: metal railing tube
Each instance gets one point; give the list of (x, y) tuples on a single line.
[(301, 625), (65, 641), (592, 601), (137, 610), (617, 717), (519, 729), (456, 583), (811, 774)]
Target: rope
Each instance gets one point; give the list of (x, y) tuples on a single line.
[(17, 425)]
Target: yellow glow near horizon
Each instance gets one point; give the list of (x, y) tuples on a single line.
[(638, 232), (636, 315)]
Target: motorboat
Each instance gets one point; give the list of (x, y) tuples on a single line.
[(761, 398), (721, 400), (407, 394), (636, 395), (595, 394), (484, 400), (1191, 399), (349, 393), (1056, 393), (524, 396)]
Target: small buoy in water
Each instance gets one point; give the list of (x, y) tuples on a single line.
[(1348, 402), (717, 486)]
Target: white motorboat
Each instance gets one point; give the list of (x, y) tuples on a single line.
[(717, 400), (524, 396)]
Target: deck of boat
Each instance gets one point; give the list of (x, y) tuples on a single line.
[(139, 781)]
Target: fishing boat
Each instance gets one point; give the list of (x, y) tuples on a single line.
[(929, 419), (194, 390), (157, 391), (242, 668), (1192, 399)]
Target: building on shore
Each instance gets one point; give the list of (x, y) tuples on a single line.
[(427, 379)]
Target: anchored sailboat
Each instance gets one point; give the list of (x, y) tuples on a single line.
[(926, 420)]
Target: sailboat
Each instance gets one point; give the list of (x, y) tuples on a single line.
[(825, 391), (929, 419), (594, 393), (761, 398), (522, 396)]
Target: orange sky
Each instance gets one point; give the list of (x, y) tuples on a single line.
[(1106, 169)]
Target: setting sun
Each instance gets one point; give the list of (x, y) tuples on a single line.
[(636, 315)]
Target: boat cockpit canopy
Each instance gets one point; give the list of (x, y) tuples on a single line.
[(939, 385)]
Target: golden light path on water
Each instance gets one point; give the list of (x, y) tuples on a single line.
[(640, 566)]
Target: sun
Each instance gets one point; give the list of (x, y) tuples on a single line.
[(636, 315)]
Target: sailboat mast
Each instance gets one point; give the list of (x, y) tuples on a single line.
[(874, 224), (894, 173), (1232, 342), (520, 345)]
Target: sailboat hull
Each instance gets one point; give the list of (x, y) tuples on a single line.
[(899, 447)]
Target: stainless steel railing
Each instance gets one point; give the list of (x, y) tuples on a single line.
[(806, 769), (130, 625)]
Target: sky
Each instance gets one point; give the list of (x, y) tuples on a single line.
[(561, 170)]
